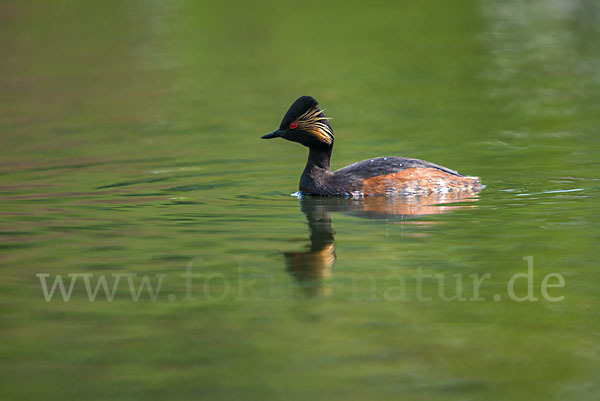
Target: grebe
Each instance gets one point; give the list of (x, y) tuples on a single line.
[(305, 123)]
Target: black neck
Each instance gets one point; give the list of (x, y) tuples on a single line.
[(318, 157), (316, 175)]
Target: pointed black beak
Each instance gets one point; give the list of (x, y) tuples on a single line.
[(275, 134)]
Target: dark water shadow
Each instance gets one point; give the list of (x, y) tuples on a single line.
[(311, 267)]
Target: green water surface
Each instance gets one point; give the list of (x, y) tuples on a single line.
[(130, 138)]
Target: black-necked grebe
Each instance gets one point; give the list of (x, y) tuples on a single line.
[(305, 123)]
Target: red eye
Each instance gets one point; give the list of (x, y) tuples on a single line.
[(293, 125)]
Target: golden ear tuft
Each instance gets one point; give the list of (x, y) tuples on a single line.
[(312, 122)]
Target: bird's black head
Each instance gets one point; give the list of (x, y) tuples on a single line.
[(305, 123)]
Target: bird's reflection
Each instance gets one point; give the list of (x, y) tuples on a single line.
[(312, 266)]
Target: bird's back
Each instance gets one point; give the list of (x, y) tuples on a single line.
[(399, 175)]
